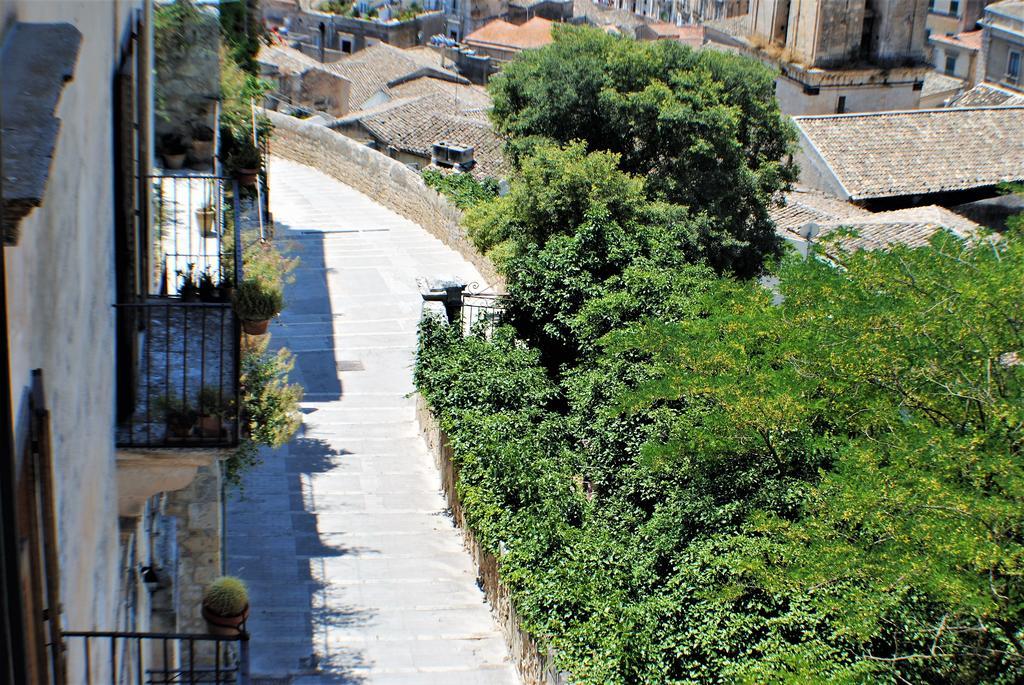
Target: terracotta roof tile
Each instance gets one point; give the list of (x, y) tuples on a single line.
[(971, 40), (935, 83), (500, 33), (376, 67), (887, 154), (988, 95), (874, 230)]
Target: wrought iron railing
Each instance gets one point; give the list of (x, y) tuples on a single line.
[(481, 313), (133, 658), (191, 237), (186, 386)]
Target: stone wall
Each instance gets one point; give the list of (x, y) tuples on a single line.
[(197, 509), (536, 666), (386, 180)]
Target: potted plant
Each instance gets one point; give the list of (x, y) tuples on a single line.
[(189, 289), (226, 606), (226, 288), (214, 408), (209, 289), (206, 217), (245, 162), (202, 144), (179, 417), (257, 301), (174, 150)]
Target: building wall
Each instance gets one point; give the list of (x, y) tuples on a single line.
[(60, 285), (965, 60), (824, 33), (899, 31), (997, 45), (859, 98)]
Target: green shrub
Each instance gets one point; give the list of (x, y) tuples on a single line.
[(462, 189), (257, 299), (227, 596)]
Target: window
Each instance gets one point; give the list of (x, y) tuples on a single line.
[(346, 46), (954, 7), (950, 64), (1013, 66), (841, 105), (931, 5)]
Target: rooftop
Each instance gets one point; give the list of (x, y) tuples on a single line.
[(988, 95), (1009, 8), (427, 110), (969, 40), (889, 154), (499, 33), (935, 83), (691, 34), (913, 227), (286, 59), (382, 65)]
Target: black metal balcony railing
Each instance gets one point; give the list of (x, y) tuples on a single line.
[(180, 341), (187, 375), (481, 313), (132, 658)]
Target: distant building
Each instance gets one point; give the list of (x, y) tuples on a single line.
[(838, 56), (327, 36), (957, 55), (410, 118), (303, 82), (701, 11), (692, 35), (501, 40), (950, 17), (888, 160), (1003, 44), (939, 90)]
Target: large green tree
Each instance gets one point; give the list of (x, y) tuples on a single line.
[(702, 128)]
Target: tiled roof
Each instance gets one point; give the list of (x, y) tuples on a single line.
[(598, 15), (424, 113), (500, 33), (286, 59), (935, 83), (376, 67), (970, 40), (988, 95), (887, 154), (873, 230)]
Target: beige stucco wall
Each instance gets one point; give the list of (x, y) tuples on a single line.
[(388, 181), (60, 285), (859, 97)]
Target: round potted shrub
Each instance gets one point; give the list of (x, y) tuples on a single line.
[(174, 150), (245, 163), (257, 301), (213, 411), (226, 606), (179, 417)]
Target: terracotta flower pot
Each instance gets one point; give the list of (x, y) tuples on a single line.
[(247, 177), (225, 625), (202, 150), (256, 327), (174, 161), (210, 426)]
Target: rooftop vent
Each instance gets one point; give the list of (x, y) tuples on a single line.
[(450, 155)]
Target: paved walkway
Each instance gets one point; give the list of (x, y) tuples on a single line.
[(356, 572)]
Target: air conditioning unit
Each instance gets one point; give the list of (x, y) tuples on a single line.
[(449, 155)]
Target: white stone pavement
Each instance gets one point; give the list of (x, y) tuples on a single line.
[(356, 572)]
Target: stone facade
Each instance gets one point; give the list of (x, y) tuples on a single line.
[(1003, 45), (862, 57), (388, 181), (197, 510)]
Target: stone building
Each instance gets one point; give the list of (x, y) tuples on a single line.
[(1003, 45), (701, 11), (949, 17), (957, 55), (838, 56), (97, 531)]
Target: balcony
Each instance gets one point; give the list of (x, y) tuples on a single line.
[(179, 342), (132, 658)]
